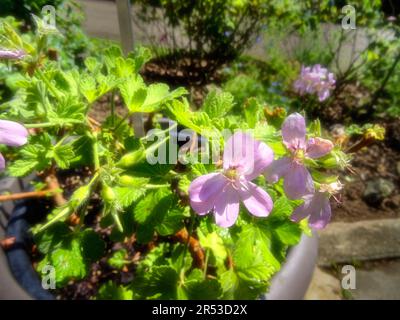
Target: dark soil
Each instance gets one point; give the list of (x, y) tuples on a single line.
[(381, 160)]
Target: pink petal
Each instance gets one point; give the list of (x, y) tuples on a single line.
[(203, 191), (302, 211), (12, 133), (277, 169), (298, 181), (2, 163), (320, 215), (256, 200), (318, 147), (11, 54), (240, 152), (263, 157), (294, 131), (226, 209), (323, 95)]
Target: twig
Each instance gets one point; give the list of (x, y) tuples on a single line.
[(194, 247), (26, 195), (52, 183)]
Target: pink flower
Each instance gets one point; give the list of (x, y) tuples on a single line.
[(11, 54), (315, 80), (297, 180), (12, 134), (317, 207), (244, 159)]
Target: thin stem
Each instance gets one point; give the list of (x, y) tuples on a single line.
[(206, 263), (122, 120), (40, 125), (48, 84), (96, 158), (157, 186), (51, 124), (188, 239), (162, 131), (112, 108)]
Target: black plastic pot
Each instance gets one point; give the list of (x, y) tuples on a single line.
[(290, 283)]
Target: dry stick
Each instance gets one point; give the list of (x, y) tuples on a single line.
[(52, 183), (26, 195), (194, 247)]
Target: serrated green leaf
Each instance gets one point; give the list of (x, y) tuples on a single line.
[(216, 104), (158, 283), (63, 154), (118, 259), (68, 263), (113, 291)]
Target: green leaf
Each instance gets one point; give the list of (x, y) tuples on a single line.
[(209, 289), (22, 167), (288, 232), (282, 208), (254, 262), (158, 211), (113, 291), (216, 105), (52, 237), (252, 112), (131, 191), (180, 112), (128, 88), (137, 100), (92, 245), (67, 261), (35, 156), (118, 259), (158, 283), (63, 154), (159, 94)]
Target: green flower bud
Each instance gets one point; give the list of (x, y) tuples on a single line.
[(108, 194), (127, 180), (131, 159)]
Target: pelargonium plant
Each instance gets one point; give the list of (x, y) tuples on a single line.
[(205, 207)]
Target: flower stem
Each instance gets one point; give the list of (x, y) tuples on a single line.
[(206, 263), (162, 131)]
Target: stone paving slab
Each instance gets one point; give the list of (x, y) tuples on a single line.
[(343, 242), (323, 286), (381, 282)]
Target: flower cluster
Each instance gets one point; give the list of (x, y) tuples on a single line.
[(315, 80), (245, 159)]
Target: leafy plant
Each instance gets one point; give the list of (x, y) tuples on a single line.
[(194, 222)]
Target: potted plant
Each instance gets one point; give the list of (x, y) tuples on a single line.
[(206, 208)]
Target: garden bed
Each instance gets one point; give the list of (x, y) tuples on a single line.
[(372, 164)]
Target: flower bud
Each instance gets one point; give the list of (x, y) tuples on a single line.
[(127, 180), (131, 159), (108, 194)]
